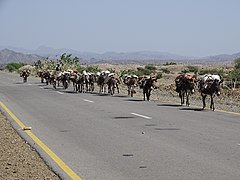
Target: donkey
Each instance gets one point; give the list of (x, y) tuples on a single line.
[(131, 81), (101, 82), (46, 75), (91, 81), (113, 84), (210, 85), (74, 76), (81, 81), (40, 74), (148, 85), (185, 85), (24, 74)]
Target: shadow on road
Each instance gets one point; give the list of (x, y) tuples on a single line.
[(19, 83), (69, 92), (170, 105), (38, 83), (121, 96), (167, 129), (49, 88), (134, 100), (101, 94), (124, 117), (42, 85), (191, 109)]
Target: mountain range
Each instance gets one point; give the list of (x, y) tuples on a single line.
[(13, 54), (7, 56)]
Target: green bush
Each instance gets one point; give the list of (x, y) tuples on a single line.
[(123, 72), (211, 71), (150, 67), (193, 69), (11, 67), (92, 69), (111, 70), (169, 63), (237, 63), (159, 75), (143, 71), (185, 71), (139, 72), (165, 70), (147, 70), (235, 74), (38, 64), (80, 68)]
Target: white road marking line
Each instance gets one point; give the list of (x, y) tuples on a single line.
[(88, 100), (41, 87), (59, 92), (146, 117)]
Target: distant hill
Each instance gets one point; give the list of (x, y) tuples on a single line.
[(224, 57), (143, 57), (7, 56), (107, 56)]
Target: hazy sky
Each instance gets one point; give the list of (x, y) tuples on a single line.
[(184, 27)]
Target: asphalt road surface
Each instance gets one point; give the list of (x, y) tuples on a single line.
[(101, 137)]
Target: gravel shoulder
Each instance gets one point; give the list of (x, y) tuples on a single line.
[(18, 160)]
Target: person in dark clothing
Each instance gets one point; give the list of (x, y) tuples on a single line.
[(58, 68)]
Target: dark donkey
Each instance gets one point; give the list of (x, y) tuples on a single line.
[(113, 83), (131, 81), (24, 74), (46, 75), (185, 85), (148, 85), (210, 85)]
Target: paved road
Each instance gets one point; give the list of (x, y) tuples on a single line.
[(122, 138)]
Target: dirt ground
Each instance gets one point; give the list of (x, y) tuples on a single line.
[(19, 161)]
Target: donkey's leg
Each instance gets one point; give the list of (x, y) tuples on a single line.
[(212, 103), (203, 100), (181, 95), (148, 95), (117, 88), (113, 90), (54, 84), (81, 88), (187, 99), (129, 89)]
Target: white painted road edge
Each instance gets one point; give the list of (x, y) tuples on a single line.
[(146, 117)]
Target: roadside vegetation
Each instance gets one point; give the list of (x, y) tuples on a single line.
[(231, 74), (234, 75), (12, 67)]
